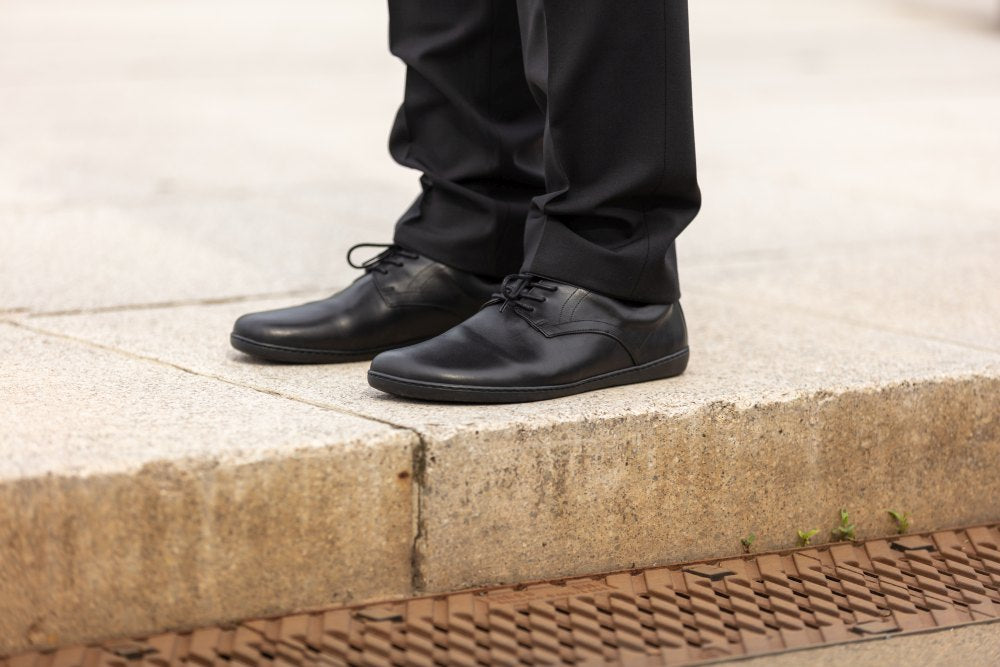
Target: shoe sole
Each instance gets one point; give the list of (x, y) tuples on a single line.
[(665, 367), (297, 355)]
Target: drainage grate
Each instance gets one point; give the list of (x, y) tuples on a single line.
[(672, 615)]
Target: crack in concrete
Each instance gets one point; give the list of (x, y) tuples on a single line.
[(417, 580), (210, 301), (211, 376)]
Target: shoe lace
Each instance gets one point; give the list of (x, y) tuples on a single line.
[(517, 287), (390, 255)]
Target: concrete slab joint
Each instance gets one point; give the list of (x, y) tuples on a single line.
[(419, 527)]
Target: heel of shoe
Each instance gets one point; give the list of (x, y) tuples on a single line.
[(667, 367)]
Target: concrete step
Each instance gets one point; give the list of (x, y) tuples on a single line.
[(134, 495), (134, 475)]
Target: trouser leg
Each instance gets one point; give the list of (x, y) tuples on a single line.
[(614, 79), (469, 123)]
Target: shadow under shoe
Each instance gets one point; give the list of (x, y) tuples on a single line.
[(539, 339), (401, 299)]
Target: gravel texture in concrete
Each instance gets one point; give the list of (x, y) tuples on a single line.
[(782, 418), (135, 496)]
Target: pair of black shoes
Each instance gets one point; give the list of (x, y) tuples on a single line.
[(437, 333)]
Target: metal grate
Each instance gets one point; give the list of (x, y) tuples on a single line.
[(672, 615)]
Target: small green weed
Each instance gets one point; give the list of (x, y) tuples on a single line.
[(805, 536), (902, 521), (844, 531), (747, 543)]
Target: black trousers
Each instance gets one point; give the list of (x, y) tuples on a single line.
[(555, 137)]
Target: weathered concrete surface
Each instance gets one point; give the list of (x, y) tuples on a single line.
[(135, 497), (942, 289), (747, 354), (163, 151), (782, 419), (523, 502), (247, 161)]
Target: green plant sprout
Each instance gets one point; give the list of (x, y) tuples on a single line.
[(845, 531), (805, 536), (902, 521), (747, 542)]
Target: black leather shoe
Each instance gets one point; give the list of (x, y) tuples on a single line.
[(538, 339), (403, 298)]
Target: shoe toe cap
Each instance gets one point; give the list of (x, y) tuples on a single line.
[(401, 363), (254, 326), (421, 363), (441, 360)]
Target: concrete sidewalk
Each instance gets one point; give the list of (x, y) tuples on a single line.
[(166, 166)]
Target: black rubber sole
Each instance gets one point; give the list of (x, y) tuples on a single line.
[(665, 367), (295, 355)]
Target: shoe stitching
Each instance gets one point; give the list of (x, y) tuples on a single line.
[(418, 279), (582, 299), (562, 311), (610, 334), (395, 300)]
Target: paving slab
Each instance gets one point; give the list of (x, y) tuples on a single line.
[(123, 100), (944, 289), (247, 161), (177, 250), (141, 145), (782, 419), (182, 499), (823, 127)]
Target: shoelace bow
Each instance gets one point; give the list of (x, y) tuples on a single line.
[(517, 287), (389, 255)]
